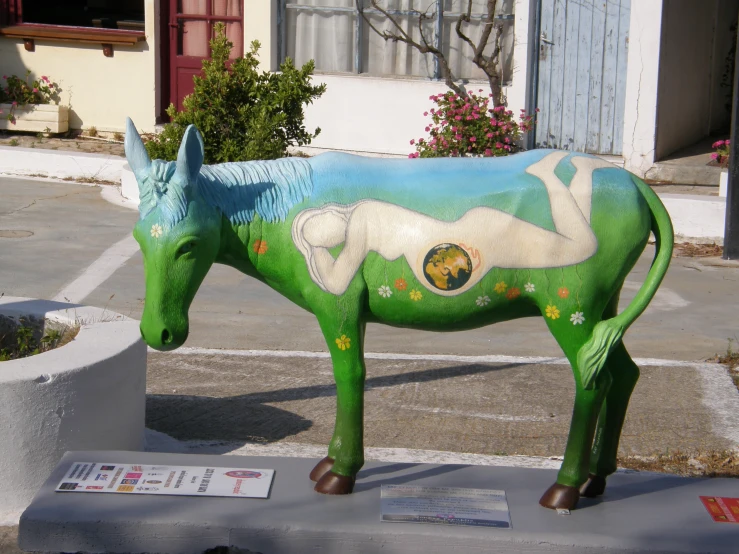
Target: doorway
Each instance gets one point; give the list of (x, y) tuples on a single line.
[(190, 27), (581, 88)]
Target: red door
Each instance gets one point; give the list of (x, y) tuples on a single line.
[(190, 29)]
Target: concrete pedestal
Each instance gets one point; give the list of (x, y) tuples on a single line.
[(640, 512)]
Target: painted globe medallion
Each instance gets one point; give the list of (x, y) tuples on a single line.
[(447, 266)]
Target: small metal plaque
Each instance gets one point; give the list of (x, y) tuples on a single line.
[(445, 506)]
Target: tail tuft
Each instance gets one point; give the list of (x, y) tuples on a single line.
[(593, 355)]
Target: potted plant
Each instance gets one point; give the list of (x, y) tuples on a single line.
[(26, 105), (721, 157)]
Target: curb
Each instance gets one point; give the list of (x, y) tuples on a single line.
[(59, 164), (695, 216)]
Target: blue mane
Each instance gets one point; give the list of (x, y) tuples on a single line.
[(268, 188)]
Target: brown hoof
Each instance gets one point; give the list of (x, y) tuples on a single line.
[(594, 486), (331, 483), (321, 469), (560, 497)]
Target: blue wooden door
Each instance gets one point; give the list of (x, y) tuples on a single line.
[(582, 75)]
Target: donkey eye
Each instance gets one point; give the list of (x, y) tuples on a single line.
[(185, 248)]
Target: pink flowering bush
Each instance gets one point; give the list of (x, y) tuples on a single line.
[(470, 127), (721, 155), (19, 92)]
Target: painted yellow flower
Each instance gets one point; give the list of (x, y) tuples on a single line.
[(500, 287), (156, 231), (416, 295), (344, 342), (552, 312)]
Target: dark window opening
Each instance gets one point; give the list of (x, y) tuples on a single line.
[(103, 14)]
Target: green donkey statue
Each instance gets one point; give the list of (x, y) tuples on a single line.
[(437, 244)]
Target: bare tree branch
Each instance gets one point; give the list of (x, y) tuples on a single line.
[(425, 48), (488, 64)]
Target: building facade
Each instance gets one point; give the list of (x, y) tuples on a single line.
[(636, 80)]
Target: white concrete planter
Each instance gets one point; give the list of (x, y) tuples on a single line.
[(86, 395), (36, 118), (723, 183)]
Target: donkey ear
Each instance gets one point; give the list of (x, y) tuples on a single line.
[(191, 154), (136, 153)]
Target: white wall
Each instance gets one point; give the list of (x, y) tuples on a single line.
[(370, 114), (100, 91), (640, 113)]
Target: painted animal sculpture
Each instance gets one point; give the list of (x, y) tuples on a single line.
[(441, 244)]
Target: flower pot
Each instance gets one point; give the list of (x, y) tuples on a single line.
[(723, 183), (89, 394), (36, 118)]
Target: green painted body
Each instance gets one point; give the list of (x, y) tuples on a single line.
[(624, 212)]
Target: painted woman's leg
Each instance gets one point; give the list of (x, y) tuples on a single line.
[(566, 216), (581, 186)]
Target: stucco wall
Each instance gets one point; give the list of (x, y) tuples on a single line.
[(100, 91), (367, 114), (689, 71), (260, 23), (642, 70)]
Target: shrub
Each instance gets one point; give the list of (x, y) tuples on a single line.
[(19, 92), (241, 113), (468, 127)]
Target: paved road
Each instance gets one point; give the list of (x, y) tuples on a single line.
[(449, 399), (59, 229)]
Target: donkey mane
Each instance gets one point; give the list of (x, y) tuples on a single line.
[(240, 190)]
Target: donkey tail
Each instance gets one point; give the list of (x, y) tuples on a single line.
[(608, 333)]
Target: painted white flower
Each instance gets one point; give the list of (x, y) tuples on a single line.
[(482, 300), (156, 231), (577, 318), (385, 291), (529, 287)]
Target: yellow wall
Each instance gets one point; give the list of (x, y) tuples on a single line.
[(99, 91), (260, 23)]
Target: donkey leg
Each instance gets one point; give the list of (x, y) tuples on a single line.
[(625, 374), (565, 493), (336, 473)]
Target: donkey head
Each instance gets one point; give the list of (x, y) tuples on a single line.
[(178, 232)]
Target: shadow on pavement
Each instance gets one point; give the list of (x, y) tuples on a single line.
[(247, 417)]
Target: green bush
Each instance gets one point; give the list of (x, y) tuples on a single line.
[(241, 113)]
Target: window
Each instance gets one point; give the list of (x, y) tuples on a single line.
[(106, 22), (196, 19), (336, 36), (103, 14)]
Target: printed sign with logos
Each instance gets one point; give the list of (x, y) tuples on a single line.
[(445, 506), (107, 477)]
